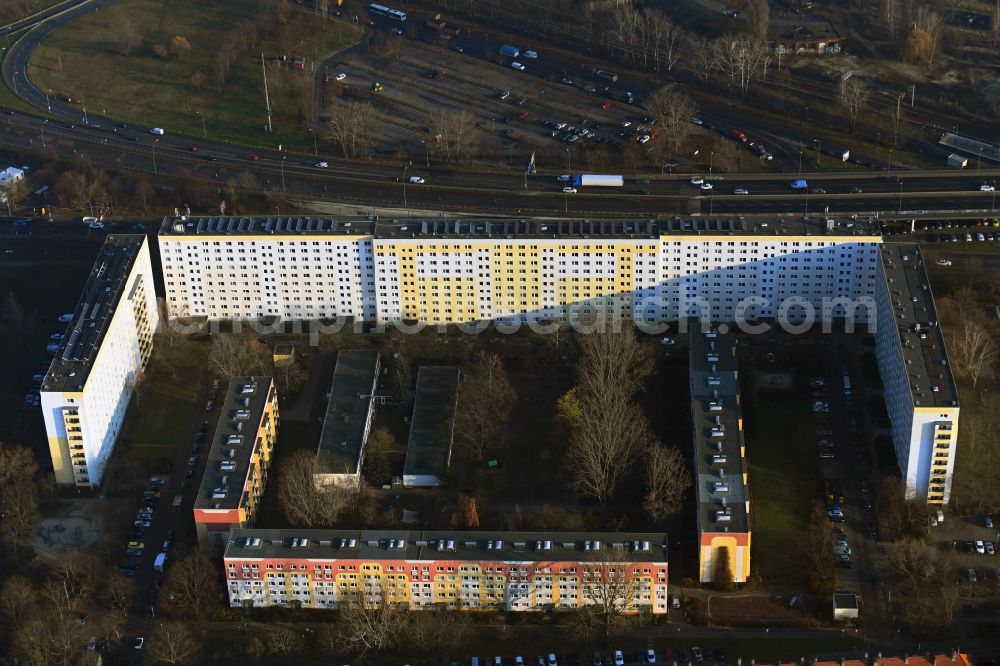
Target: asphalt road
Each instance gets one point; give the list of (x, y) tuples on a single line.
[(134, 148)]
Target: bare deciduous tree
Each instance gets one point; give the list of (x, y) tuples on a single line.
[(667, 480), (192, 587), (351, 125), (973, 351), (485, 399), (371, 622), (741, 59), (303, 502), (173, 643), (703, 56), (758, 19), (675, 112), (454, 134), (854, 95), (611, 587), (235, 355)]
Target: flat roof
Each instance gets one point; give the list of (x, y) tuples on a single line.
[(717, 425), (249, 543), (233, 443), (344, 430), (922, 343), (93, 314), (417, 227), (428, 450)]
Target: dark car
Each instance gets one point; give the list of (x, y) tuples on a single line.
[(127, 571)]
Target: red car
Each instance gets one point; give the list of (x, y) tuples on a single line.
[(605, 105), (523, 115), (253, 157), (193, 149)]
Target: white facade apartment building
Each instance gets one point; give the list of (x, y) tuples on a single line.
[(238, 268), (89, 384), (458, 271), (920, 393)]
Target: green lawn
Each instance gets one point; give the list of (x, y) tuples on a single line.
[(783, 482), (178, 92)]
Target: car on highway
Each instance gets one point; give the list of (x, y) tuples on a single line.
[(564, 177), (741, 190), (818, 190), (518, 66), (158, 131), (706, 186), (856, 190), (986, 187), (530, 55), (458, 49), (566, 80), (569, 190), (697, 121), (340, 77), (697, 180), (417, 180), (943, 262), (253, 157), (605, 105), (800, 184), (321, 165)]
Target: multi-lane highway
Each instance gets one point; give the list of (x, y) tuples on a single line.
[(69, 131)]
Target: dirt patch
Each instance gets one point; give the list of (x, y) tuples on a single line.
[(754, 608)]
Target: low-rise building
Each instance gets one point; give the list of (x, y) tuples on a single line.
[(239, 456), (348, 418), (513, 571), (720, 464), (432, 428), (846, 606), (90, 382)]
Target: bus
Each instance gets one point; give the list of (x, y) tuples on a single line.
[(382, 10)]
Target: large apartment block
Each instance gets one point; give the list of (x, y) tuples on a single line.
[(513, 571), (87, 389), (451, 271), (459, 271), (720, 458), (239, 457), (920, 393)]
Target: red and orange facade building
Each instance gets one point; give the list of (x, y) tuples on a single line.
[(510, 571)]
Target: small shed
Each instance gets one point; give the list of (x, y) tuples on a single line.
[(846, 605), (283, 355)]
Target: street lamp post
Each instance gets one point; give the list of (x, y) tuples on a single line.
[(315, 145), (44, 123), (405, 205), (204, 130), (889, 170), (282, 173), (427, 153), (155, 172)]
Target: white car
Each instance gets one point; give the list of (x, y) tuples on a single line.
[(619, 658), (504, 95), (741, 190), (985, 187), (518, 66), (552, 661), (697, 121), (980, 547), (842, 549), (667, 342), (650, 656), (417, 180), (96, 225), (158, 131), (644, 138), (706, 186), (340, 77), (530, 55), (943, 262), (563, 177), (697, 180), (569, 190), (321, 165)]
